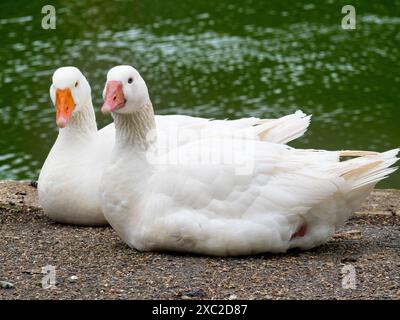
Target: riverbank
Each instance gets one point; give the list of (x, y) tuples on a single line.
[(93, 263)]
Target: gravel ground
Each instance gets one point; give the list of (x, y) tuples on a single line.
[(93, 263)]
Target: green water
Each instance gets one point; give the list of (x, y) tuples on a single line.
[(221, 59)]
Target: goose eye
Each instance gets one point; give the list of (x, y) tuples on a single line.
[(130, 80), (76, 84)]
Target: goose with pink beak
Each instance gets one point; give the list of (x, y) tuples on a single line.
[(289, 198)]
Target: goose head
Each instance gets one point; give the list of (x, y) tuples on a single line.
[(125, 91), (70, 92)]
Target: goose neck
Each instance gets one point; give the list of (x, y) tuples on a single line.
[(135, 130)]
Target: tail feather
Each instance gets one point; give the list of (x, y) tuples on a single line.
[(369, 169), (284, 129), (357, 153), (374, 178)]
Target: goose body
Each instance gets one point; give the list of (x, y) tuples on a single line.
[(69, 181), (286, 198)]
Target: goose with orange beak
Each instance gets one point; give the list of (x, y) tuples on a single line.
[(69, 179)]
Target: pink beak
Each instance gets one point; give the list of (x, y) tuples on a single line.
[(114, 98)]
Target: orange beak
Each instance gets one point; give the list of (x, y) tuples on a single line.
[(64, 106), (114, 98)]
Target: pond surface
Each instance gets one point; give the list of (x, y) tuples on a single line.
[(220, 59)]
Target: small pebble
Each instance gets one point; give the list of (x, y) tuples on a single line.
[(233, 297), (73, 279), (6, 285), (195, 293)]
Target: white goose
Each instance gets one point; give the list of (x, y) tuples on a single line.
[(69, 180), (290, 198)]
